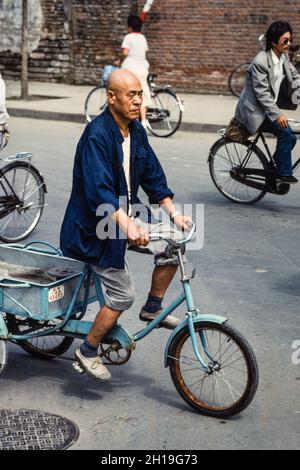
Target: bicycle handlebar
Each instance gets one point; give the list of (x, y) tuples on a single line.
[(175, 243)]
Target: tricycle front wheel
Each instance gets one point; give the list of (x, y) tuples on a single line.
[(229, 385), (44, 347)]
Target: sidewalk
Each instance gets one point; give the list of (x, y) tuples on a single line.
[(203, 113)]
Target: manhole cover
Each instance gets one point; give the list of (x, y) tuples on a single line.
[(35, 430)]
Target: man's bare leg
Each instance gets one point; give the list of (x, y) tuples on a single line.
[(107, 317), (161, 279), (104, 321), (88, 359)]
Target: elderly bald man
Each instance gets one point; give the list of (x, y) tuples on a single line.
[(113, 159)]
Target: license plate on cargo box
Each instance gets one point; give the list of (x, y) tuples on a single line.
[(56, 293)]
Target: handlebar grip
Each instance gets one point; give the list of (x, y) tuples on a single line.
[(155, 237)]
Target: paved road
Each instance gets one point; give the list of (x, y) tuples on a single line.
[(248, 270)]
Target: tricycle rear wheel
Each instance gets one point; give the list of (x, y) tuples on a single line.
[(44, 347)]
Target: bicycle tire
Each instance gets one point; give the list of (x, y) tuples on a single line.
[(224, 156), (237, 79), (209, 401), (164, 119), (43, 347), (3, 355), (95, 103), (26, 182)]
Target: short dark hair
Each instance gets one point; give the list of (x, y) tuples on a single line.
[(275, 31), (135, 22)]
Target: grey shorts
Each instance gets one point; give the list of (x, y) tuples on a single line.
[(117, 284)]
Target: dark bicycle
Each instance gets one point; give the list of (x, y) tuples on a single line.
[(244, 173), (22, 197)]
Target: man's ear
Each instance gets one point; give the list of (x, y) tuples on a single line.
[(111, 97)]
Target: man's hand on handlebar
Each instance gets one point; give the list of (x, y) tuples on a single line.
[(183, 222), (137, 236)]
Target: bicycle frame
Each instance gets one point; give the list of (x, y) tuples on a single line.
[(261, 136), (16, 199)]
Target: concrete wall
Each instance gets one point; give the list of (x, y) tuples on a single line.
[(50, 40), (11, 21)]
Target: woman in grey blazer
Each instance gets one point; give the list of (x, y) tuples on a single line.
[(258, 108)]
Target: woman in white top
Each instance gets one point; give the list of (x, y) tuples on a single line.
[(134, 49), (4, 134)]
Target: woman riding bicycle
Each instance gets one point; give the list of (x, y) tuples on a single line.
[(270, 85), (4, 134), (134, 49)]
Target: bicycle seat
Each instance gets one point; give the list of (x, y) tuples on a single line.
[(152, 77)]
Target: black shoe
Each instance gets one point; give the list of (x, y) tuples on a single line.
[(287, 179)]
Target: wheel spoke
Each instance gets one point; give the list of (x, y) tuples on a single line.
[(23, 181), (164, 113), (46, 346), (229, 157), (96, 103)]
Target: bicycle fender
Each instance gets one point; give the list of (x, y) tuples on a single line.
[(43, 180), (3, 329), (198, 319), (213, 148)]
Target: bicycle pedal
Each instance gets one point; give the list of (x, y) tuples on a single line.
[(78, 368)]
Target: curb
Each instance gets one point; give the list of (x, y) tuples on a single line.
[(200, 127), (74, 117), (48, 115)]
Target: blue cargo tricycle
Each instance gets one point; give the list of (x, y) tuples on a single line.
[(44, 298)]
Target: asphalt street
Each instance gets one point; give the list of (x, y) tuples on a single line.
[(248, 271)]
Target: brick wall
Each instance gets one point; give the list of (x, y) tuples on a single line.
[(193, 43), (98, 28)]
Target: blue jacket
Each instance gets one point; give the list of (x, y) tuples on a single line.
[(98, 178)]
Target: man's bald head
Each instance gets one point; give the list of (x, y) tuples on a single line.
[(122, 79), (124, 95)]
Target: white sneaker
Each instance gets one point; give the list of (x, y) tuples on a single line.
[(169, 322), (93, 366)]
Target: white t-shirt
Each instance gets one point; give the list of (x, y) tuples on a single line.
[(126, 166), (3, 113), (137, 46), (278, 71)]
